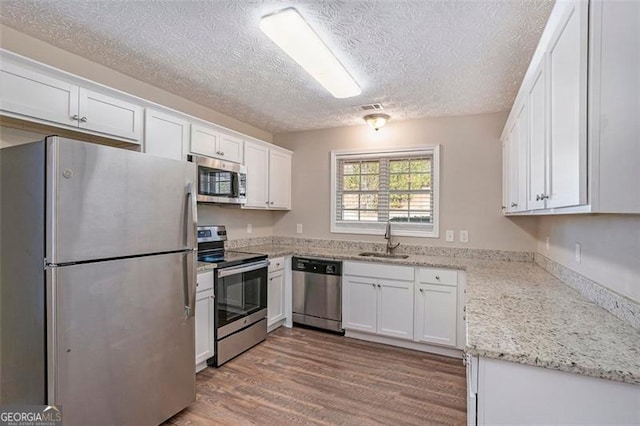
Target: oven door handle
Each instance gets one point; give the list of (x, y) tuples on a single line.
[(225, 272)]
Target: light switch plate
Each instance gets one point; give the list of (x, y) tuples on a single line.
[(578, 253), (450, 237), (299, 228), (249, 228), (464, 236), (547, 243)]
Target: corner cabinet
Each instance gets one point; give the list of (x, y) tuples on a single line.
[(572, 141), (49, 98), (205, 320), (166, 135), (268, 176)]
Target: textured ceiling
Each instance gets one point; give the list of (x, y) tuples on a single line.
[(418, 58)]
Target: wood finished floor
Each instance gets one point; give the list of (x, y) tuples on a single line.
[(301, 376)]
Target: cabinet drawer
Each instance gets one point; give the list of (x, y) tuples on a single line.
[(378, 270), (204, 281), (276, 264), (438, 276)]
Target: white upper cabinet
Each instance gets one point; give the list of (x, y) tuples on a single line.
[(109, 115), (256, 158), (230, 148), (268, 176), (279, 179), (537, 100), (211, 142), (37, 96), (587, 62), (516, 158), (614, 106), (165, 135), (567, 65)]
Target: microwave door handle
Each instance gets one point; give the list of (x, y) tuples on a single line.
[(225, 272), (235, 185)]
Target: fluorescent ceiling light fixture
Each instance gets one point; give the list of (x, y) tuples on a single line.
[(292, 34)]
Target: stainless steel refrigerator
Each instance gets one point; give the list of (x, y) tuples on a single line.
[(97, 282)]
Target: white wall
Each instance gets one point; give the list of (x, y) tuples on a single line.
[(470, 188), (610, 248)]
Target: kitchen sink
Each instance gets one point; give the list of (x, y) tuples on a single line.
[(385, 255)]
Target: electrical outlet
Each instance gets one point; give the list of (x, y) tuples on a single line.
[(578, 253), (464, 236), (249, 228), (450, 237), (299, 228), (546, 242)]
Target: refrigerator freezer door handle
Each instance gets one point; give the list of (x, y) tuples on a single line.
[(187, 279)]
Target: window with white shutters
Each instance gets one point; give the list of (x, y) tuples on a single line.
[(373, 187)]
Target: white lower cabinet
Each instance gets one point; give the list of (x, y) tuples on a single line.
[(436, 313), (436, 309), (276, 294), (205, 320), (378, 299), (502, 392), (422, 305)]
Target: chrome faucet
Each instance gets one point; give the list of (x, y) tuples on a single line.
[(387, 236)]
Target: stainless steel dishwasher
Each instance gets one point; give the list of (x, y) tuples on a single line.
[(317, 293)]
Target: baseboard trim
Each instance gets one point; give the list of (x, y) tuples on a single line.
[(422, 347)]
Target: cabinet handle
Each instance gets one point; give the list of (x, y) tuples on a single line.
[(503, 207), (543, 196), (514, 204), (379, 286), (537, 197), (266, 202), (374, 286), (437, 277), (75, 117), (222, 153), (421, 290), (271, 202), (83, 119)]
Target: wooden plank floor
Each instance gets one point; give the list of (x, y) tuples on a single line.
[(302, 376)]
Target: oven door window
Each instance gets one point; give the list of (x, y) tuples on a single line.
[(241, 295), (216, 183)]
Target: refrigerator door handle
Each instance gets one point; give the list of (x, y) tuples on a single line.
[(187, 279), (190, 227)]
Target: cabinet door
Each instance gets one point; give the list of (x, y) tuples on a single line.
[(256, 158), (275, 297), (109, 115), (204, 326), (567, 66), (204, 140), (165, 135), (230, 148), (395, 308), (436, 313), (359, 304), (512, 168), (537, 99), (505, 175), (36, 96), (279, 179)]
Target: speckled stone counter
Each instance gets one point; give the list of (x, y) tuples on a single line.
[(518, 312)]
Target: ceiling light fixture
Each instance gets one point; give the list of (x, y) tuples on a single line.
[(292, 34), (376, 121)]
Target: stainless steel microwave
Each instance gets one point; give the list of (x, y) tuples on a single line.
[(220, 181)]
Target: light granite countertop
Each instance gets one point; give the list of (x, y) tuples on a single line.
[(518, 312)]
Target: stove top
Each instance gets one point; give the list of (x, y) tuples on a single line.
[(223, 259)]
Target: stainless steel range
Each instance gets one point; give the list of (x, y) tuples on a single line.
[(240, 287)]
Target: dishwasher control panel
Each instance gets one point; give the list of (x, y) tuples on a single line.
[(317, 266)]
